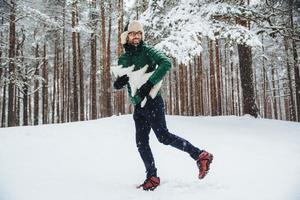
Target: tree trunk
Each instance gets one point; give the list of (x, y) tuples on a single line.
[(120, 94), (186, 91), (181, 91), (296, 61), (69, 85), (191, 107), (213, 96), (274, 94), (81, 81), (238, 86), (18, 106), (246, 72), (201, 82), (58, 78), (75, 106), (45, 88), (107, 68), (231, 84), (3, 116), (103, 100), (36, 86), (64, 73), (219, 79), (25, 105), (265, 97), (279, 96), (297, 78), (170, 93), (11, 85), (93, 72), (245, 63), (1, 51), (177, 85), (2, 84), (264, 74), (197, 86), (54, 80), (226, 76), (291, 106)]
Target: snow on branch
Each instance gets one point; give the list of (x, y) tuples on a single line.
[(181, 28), (37, 15)]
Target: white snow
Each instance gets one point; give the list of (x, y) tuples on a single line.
[(129, 4), (254, 159)]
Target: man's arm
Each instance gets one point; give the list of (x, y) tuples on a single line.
[(163, 62), (123, 79), (122, 60)]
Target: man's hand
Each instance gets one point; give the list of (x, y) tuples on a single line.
[(121, 82), (145, 89)]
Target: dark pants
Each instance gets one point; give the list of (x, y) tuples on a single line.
[(152, 116)]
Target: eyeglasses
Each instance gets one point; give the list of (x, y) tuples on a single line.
[(133, 33)]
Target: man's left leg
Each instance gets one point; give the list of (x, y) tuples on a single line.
[(156, 118)]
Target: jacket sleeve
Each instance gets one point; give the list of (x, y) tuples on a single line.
[(122, 60), (163, 65)]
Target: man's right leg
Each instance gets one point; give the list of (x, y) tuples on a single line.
[(143, 128)]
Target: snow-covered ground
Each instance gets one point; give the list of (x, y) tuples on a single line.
[(254, 159)]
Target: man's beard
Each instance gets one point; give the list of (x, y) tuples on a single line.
[(135, 43)]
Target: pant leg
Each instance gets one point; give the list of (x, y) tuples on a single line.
[(156, 117), (143, 128)]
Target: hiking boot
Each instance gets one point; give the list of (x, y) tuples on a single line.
[(150, 183), (203, 163)]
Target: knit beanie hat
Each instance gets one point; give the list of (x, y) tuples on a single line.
[(134, 26)]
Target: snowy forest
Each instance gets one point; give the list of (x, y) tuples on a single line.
[(230, 57)]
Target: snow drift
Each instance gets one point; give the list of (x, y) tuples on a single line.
[(254, 159)]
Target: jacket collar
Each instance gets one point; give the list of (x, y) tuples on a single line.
[(131, 49)]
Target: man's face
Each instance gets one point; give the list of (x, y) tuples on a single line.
[(134, 38)]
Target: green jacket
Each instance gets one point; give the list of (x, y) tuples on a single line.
[(143, 55)]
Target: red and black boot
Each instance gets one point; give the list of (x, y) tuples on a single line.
[(150, 183), (203, 163)]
